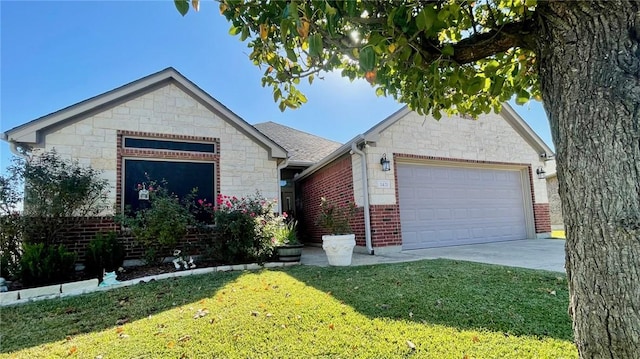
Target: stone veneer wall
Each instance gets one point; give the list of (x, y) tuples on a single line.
[(244, 166), (555, 206)]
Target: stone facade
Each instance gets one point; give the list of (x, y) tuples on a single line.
[(555, 206), (244, 165), (488, 139)]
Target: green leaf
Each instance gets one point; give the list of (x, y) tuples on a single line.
[(367, 58), (291, 55), (421, 20), (315, 45), (234, 30), (496, 90), (447, 50), (522, 97), (277, 94), (426, 18), (351, 7), (182, 6), (245, 33), (284, 29)]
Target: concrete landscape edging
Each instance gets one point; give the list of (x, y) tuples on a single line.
[(91, 285)]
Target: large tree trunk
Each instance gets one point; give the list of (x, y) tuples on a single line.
[(589, 67)]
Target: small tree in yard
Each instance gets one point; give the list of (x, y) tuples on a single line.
[(10, 227), (579, 57), (59, 195)]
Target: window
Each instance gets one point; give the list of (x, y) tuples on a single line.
[(183, 161), (181, 178), (130, 142)]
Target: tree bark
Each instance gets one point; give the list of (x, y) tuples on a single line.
[(589, 66)]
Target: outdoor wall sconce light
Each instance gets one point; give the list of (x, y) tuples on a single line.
[(386, 164), (541, 173)]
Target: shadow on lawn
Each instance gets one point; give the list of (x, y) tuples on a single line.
[(32, 323), (458, 294)]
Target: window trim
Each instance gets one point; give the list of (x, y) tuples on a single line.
[(124, 153), (163, 139)]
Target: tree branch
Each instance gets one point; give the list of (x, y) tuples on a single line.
[(480, 46)]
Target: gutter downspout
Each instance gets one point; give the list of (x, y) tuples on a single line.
[(365, 193), (280, 167)]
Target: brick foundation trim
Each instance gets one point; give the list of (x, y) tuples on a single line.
[(385, 225), (542, 217), (77, 238)]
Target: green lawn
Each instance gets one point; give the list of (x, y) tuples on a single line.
[(426, 309)]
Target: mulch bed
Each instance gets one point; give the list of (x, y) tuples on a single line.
[(127, 274)]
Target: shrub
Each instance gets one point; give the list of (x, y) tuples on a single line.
[(10, 227), (160, 226), (10, 245), (104, 253), (59, 195), (335, 218), (43, 264), (244, 227)]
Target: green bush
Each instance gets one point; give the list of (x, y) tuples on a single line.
[(10, 227), (59, 195), (43, 264), (244, 228), (162, 225), (10, 245), (104, 253)]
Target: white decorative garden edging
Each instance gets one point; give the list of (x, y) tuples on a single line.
[(91, 285)]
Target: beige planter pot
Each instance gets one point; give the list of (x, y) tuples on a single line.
[(339, 248)]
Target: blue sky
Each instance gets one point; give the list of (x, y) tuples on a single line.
[(56, 53)]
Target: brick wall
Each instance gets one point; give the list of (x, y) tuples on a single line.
[(334, 182), (385, 225), (77, 238), (542, 217)]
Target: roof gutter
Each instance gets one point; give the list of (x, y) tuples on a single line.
[(14, 147), (365, 194)]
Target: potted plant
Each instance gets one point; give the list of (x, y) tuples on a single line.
[(339, 243), (288, 247)]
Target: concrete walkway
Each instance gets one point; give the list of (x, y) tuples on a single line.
[(547, 254)]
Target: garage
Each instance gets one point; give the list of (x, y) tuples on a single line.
[(445, 205)]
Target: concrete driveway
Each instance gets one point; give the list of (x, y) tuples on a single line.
[(546, 254)]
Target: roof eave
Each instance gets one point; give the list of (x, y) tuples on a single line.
[(29, 132), (525, 131)]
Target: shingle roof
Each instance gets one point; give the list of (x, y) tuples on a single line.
[(303, 148)]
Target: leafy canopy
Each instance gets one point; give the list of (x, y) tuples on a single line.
[(439, 55)]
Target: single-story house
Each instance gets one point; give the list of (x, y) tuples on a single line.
[(450, 182), (163, 126)]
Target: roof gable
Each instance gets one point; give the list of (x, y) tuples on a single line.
[(304, 148), (30, 132), (373, 135)]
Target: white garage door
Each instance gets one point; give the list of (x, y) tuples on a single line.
[(445, 206)]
